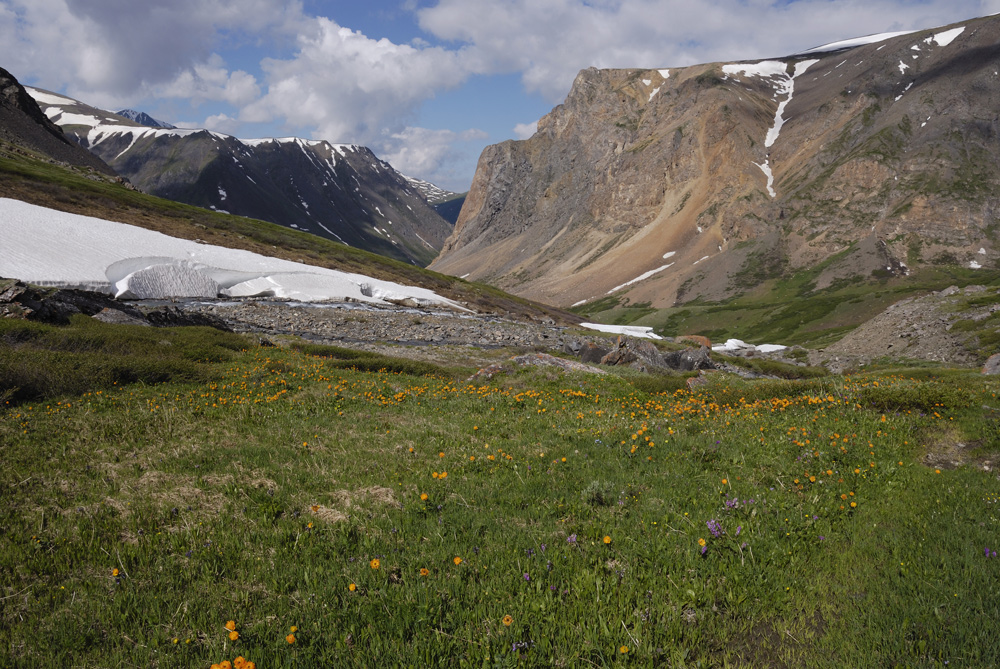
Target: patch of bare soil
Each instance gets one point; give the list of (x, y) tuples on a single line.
[(948, 450)]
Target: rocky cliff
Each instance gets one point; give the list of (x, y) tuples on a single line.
[(666, 185), (22, 123)]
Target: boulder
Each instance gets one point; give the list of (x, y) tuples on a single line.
[(992, 365), (690, 359), (592, 353), (638, 353)]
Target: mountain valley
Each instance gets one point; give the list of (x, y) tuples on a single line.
[(865, 163)]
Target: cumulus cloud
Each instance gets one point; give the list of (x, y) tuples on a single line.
[(549, 41), (114, 51), (428, 153), (211, 81), (525, 130), (348, 87)]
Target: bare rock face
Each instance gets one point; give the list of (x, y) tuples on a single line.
[(662, 186)]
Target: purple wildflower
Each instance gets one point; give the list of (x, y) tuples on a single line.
[(526, 577), (571, 539), (714, 527)]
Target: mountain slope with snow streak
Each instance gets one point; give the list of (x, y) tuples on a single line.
[(863, 158)]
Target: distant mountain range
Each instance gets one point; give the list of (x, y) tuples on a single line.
[(338, 191), (858, 161), (142, 118)]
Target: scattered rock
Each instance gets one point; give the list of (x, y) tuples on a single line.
[(537, 360)]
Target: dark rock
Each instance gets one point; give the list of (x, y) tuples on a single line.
[(638, 353), (56, 306), (173, 317), (118, 317), (592, 353), (23, 123), (689, 359)]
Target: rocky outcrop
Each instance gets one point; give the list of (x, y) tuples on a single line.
[(689, 360), (638, 353), (22, 123), (662, 186), (57, 306), (944, 326)]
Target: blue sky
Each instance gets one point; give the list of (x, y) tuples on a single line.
[(425, 83)]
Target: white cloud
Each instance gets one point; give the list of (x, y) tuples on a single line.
[(525, 130), (111, 53), (348, 87), (549, 41), (427, 153), (221, 123), (211, 81)]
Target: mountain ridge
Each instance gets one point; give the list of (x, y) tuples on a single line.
[(662, 186), (341, 192)]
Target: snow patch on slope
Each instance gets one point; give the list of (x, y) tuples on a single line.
[(631, 330), (784, 84), (54, 248), (947, 37), (641, 277), (855, 41), (48, 98)]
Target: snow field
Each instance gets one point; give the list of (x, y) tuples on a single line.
[(54, 248)]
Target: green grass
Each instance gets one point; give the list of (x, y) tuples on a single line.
[(261, 491), (790, 311), (39, 361)]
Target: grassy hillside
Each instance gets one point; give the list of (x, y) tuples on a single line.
[(34, 179), (338, 515), (789, 310)]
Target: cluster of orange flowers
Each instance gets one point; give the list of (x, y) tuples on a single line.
[(238, 663)]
